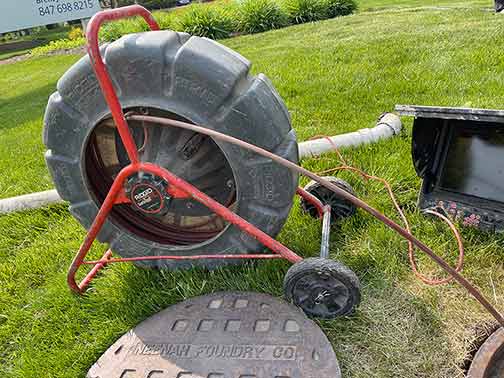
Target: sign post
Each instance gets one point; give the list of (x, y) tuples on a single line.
[(23, 14)]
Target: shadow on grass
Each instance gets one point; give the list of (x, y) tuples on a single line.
[(26, 107)]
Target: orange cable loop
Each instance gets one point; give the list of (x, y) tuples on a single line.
[(411, 248)]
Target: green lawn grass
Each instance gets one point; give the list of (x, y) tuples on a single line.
[(367, 5), (335, 76), (25, 87)]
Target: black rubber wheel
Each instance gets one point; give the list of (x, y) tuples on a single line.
[(322, 288), (197, 80), (340, 208)]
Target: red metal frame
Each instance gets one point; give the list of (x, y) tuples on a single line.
[(177, 188)]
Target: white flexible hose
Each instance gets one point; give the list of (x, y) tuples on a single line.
[(29, 201), (388, 125)]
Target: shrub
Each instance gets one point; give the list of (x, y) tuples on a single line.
[(165, 20), (300, 11), (337, 8), (206, 22), (115, 30), (215, 20), (112, 31), (75, 33), (256, 16), (60, 44)]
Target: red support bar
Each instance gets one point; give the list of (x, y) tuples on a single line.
[(98, 266), (313, 200), (222, 211), (95, 228), (183, 186)]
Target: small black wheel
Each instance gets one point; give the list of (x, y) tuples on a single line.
[(322, 288), (340, 208)]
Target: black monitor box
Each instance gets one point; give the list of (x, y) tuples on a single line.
[(459, 154)]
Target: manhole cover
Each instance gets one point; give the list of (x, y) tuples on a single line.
[(223, 335), (489, 361)]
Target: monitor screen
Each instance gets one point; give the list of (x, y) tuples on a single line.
[(474, 164)]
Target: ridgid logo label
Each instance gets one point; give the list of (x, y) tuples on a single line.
[(146, 197), (143, 194)]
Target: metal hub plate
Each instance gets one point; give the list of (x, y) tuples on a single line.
[(223, 335)]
